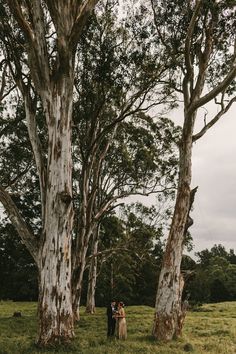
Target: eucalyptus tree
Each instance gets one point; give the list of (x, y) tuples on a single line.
[(40, 40), (142, 161), (200, 37), (93, 272), (118, 75)]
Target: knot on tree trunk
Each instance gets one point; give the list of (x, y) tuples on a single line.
[(65, 197)]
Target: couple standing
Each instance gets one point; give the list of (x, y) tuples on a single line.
[(116, 318)]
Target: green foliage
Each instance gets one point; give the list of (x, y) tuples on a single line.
[(115, 81), (214, 276), (17, 167), (129, 271), (18, 271)]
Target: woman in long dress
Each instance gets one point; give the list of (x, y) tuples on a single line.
[(122, 327)]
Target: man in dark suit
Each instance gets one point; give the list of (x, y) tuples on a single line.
[(111, 321)]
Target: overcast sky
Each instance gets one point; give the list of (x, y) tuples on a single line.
[(214, 171)]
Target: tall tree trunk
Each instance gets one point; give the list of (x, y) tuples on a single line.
[(52, 77), (77, 280), (92, 279), (55, 306), (167, 324), (78, 269)]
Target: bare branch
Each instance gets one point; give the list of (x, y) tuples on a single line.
[(30, 110), (111, 251), (16, 178), (17, 11), (127, 110), (35, 35), (3, 83), (16, 121), (7, 92), (188, 79), (220, 88), (83, 11), (203, 61), (108, 203), (24, 231), (214, 120)]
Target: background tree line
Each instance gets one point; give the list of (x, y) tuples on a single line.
[(129, 270)]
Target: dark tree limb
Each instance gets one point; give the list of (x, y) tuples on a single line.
[(26, 234)]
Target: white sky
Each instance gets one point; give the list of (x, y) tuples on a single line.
[(214, 171)]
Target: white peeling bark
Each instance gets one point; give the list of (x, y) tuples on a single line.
[(92, 279), (53, 79), (169, 316), (36, 147), (55, 307), (168, 313), (82, 240), (78, 272)]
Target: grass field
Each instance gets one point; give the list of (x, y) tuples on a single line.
[(212, 330)]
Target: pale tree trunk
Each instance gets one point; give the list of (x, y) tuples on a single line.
[(78, 273), (169, 316), (50, 72), (85, 230), (92, 279), (55, 307), (30, 113), (90, 303), (89, 214), (167, 324), (77, 287)]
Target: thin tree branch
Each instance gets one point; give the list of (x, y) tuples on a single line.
[(188, 78), (83, 11), (15, 179), (24, 231), (30, 109), (215, 91), (214, 120)]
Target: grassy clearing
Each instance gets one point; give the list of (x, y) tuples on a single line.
[(211, 330)]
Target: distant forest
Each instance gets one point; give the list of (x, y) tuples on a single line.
[(126, 272)]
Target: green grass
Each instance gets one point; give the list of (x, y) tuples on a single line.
[(211, 330)]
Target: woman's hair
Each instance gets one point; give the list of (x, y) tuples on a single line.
[(121, 304)]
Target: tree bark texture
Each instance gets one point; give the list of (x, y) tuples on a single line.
[(92, 279), (78, 271), (167, 323), (55, 307), (51, 76)]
